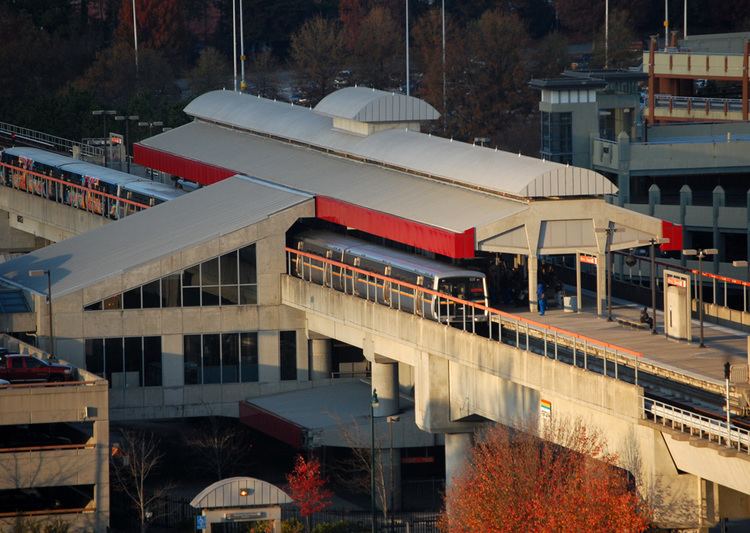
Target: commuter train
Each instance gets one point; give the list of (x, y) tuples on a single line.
[(87, 176), (467, 285)]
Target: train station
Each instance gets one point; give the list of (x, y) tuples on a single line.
[(346, 225)]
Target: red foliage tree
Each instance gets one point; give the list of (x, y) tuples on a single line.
[(161, 25), (308, 488), (515, 481)]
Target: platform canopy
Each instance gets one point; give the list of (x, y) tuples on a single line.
[(229, 492)]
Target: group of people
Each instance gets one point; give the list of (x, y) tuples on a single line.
[(509, 286), (549, 285)]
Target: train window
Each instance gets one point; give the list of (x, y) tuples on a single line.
[(113, 302)]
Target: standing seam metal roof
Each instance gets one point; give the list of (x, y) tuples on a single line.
[(156, 232), (455, 162), (371, 105)]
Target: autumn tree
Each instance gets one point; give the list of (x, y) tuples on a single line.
[(317, 51), (351, 13), (262, 69), (308, 488), (622, 52), (561, 478), (161, 26), (211, 71), (133, 465), (378, 49)]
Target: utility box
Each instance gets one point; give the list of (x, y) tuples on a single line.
[(677, 305)]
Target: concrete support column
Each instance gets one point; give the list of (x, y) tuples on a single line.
[(579, 288), (320, 358), (601, 283), (686, 199), (385, 381), (654, 198), (390, 461), (457, 449), (719, 201), (533, 265)]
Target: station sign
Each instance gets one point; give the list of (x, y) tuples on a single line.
[(677, 281), (588, 259)]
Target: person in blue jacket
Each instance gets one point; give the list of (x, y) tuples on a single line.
[(542, 302)]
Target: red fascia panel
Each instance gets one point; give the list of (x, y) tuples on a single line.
[(673, 232), (437, 240), (272, 425), (183, 167)]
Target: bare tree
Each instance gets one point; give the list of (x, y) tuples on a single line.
[(220, 444), (317, 50), (137, 458)]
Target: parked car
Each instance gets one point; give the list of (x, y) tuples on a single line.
[(26, 368)]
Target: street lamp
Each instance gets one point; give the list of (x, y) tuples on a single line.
[(391, 420), (128, 119), (104, 114), (700, 254), (36, 274), (373, 404), (150, 125)]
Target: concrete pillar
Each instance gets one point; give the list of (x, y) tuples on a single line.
[(601, 283), (623, 168), (654, 198), (385, 381), (533, 266), (719, 201), (579, 288), (686, 199), (320, 358), (457, 450), (391, 474)]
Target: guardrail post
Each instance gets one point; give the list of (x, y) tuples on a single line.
[(545, 343), (585, 354), (604, 362), (575, 346), (725, 294), (518, 333), (636, 372), (527, 336), (555, 345)]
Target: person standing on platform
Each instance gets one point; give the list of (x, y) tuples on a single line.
[(541, 299)]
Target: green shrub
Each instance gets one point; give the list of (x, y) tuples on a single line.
[(292, 526), (342, 526)]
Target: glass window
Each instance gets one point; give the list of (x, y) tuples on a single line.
[(288, 355), (248, 294), (229, 268), (171, 290), (211, 359), (191, 276), (151, 295), (96, 306), (114, 302), (133, 361), (152, 361), (249, 357), (113, 361), (132, 299), (192, 360), (247, 264), (229, 295), (230, 358), (95, 356), (210, 295), (191, 296), (210, 272)]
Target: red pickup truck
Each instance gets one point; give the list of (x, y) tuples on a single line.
[(26, 368)]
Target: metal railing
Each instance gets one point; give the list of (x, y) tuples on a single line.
[(698, 104), (555, 343), (52, 141), (697, 425), (66, 193)]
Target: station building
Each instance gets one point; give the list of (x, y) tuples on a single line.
[(673, 135)]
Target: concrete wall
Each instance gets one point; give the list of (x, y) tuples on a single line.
[(72, 325)]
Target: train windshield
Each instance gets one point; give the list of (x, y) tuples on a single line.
[(466, 288)]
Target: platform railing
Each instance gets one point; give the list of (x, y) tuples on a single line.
[(63, 192), (52, 141), (697, 425)]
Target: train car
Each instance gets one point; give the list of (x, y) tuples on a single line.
[(87, 178), (467, 285)]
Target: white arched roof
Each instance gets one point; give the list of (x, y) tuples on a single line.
[(457, 163), (226, 493), (371, 105)]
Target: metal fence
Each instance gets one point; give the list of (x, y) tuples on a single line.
[(52, 142), (361, 521)]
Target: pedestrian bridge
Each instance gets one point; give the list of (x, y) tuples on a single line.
[(503, 370)]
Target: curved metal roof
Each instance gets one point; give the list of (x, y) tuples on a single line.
[(434, 157), (226, 493), (372, 105)]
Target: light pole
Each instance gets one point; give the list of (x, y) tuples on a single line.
[(36, 274), (135, 39), (445, 100), (373, 404), (606, 34), (408, 89), (104, 114), (652, 272), (243, 85), (700, 254), (157, 123), (391, 420), (127, 119)]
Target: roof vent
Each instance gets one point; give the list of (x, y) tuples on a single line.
[(365, 111)]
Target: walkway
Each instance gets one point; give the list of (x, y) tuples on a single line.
[(722, 343)]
